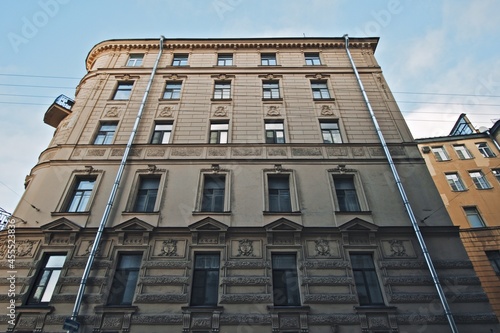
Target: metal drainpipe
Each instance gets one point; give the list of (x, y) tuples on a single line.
[(402, 192), (114, 190)]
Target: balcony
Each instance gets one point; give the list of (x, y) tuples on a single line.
[(58, 110)]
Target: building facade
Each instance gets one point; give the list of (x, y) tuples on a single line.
[(255, 197), (465, 167)]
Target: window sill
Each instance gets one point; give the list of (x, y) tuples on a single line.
[(268, 65), (202, 308), (169, 99), (221, 99), (360, 212), (288, 308), (32, 308), (295, 213), (320, 65), (375, 308), (116, 308), (87, 212), (211, 213), (324, 99), (484, 188), (272, 99), (230, 66), (156, 212)]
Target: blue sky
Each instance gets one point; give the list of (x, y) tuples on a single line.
[(440, 57)]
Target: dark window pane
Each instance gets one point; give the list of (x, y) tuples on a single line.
[(279, 193), (346, 194), (146, 195), (125, 279), (285, 282), (205, 288), (365, 277)]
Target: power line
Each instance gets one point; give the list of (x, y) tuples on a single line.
[(42, 76)]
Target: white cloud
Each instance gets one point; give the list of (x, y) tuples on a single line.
[(425, 53)]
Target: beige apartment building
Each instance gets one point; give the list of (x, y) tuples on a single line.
[(465, 166), (256, 196)]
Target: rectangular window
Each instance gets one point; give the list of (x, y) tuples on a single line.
[(222, 90), (320, 90), (218, 132), (275, 132), (125, 279), (224, 60), (161, 134), (496, 173), (205, 284), (46, 279), (285, 281), (80, 196), (214, 187), (330, 132), (279, 193), (106, 133), (180, 60), (270, 89), (345, 191), (135, 59), (455, 182), (479, 180), (147, 192), (485, 150), (123, 90), (172, 90), (440, 153), (462, 152), (494, 258), (268, 59), (474, 218), (312, 59), (365, 278)]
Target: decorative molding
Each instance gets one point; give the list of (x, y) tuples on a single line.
[(186, 151), (135, 152), (427, 280), (245, 298), (327, 110), (166, 264), (169, 248), (416, 264), (337, 151), (274, 151), (96, 152), (155, 152), (333, 319), (172, 319), (429, 297), (246, 281), (219, 152), (247, 264), (327, 280), (220, 111), (330, 299), (248, 319), (325, 264), (273, 111), (166, 112), (82, 263), (112, 112), (162, 280), (162, 298), (246, 151), (310, 151), (245, 248)]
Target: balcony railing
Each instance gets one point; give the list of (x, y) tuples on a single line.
[(59, 110)]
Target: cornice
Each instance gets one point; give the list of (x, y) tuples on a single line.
[(277, 43)]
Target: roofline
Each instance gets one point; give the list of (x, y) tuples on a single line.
[(452, 138), (152, 43)]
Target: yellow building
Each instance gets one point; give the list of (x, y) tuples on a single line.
[(465, 166)]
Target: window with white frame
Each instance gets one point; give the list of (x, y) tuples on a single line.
[(219, 132), (479, 180), (268, 59), (135, 59), (485, 150), (214, 188), (474, 217), (330, 131), (285, 280), (123, 90), (46, 279), (270, 89), (147, 193), (225, 59), (161, 133), (222, 90), (462, 152), (312, 58), (455, 181), (348, 191), (106, 133), (440, 153), (275, 132), (180, 60), (366, 280), (494, 258), (79, 197), (172, 90), (205, 284), (320, 89), (496, 173), (125, 279)]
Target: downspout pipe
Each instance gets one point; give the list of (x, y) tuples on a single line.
[(114, 190), (402, 193)]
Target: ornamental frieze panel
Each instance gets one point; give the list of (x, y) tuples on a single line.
[(325, 264), (247, 264), (155, 152), (333, 319), (23, 248), (245, 298), (162, 280), (327, 280), (221, 111), (218, 152), (417, 264), (157, 319), (85, 247), (246, 151), (186, 152), (166, 264), (169, 248), (337, 151), (247, 281), (273, 151), (309, 151), (247, 319), (113, 111), (323, 249), (96, 152), (164, 298), (397, 249), (165, 111), (134, 152), (330, 299), (246, 248)]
